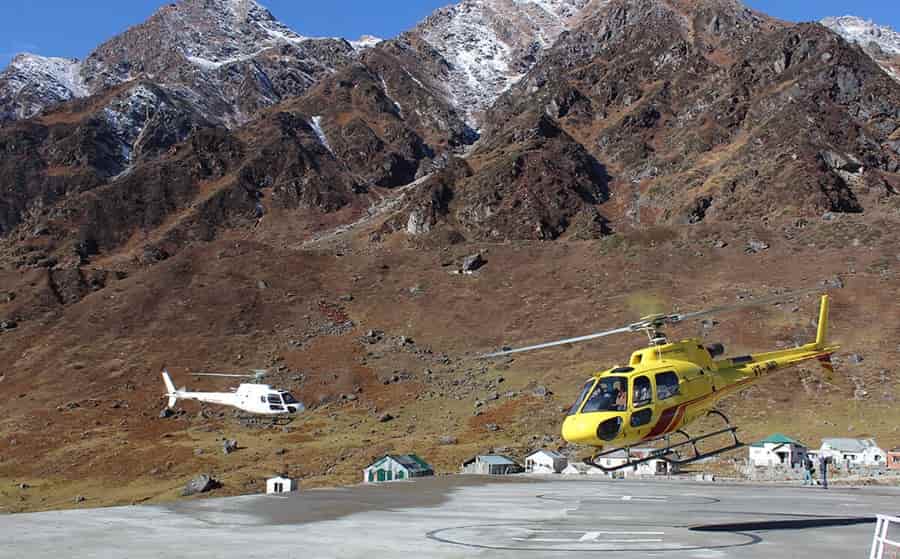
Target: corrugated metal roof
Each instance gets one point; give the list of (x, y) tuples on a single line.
[(496, 460), (412, 462), (849, 445), (777, 438), (409, 461)]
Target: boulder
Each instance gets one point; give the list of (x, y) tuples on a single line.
[(166, 413), (754, 246), (472, 262), (8, 325), (385, 417), (229, 446), (541, 392), (447, 440), (492, 427), (200, 484)]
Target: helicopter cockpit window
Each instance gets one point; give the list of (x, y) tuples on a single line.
[(584, 392), (643, 394), (288, 398), (609, 395), (666, 385), (274, 399)]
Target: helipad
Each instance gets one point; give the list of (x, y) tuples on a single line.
[(465, 517)]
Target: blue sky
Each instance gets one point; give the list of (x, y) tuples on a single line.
[(73, 28)]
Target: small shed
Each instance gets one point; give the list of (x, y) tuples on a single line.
[(545, 462), (396, 467), (491, 464), (777, 450), (281, 484), (893, 459)]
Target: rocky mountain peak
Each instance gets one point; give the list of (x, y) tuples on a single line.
[(227, 58), (865, 32), (880, 42), (31, 81), (490, 44)]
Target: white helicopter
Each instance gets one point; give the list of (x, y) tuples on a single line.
[(258, 400)]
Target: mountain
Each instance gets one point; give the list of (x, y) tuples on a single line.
[(677, 115), (881, 42), (211, 191), (227, 58)]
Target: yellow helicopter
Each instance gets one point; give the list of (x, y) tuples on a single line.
[(668, 385)]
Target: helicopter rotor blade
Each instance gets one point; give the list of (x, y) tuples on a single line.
[(675, 318), (228, 375), (559, 342), (652, 323)]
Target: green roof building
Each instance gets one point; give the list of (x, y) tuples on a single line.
[(396, 467), (777, 450)]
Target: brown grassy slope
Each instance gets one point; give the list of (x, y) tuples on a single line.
[(81, 393)]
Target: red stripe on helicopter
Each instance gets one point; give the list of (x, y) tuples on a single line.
[(664, 420), (671, 417)]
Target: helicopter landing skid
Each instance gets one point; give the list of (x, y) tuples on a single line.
[(669, 452), (264, 421)]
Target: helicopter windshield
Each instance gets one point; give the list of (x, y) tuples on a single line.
[(609, 395), (584, 392), (288, 398)]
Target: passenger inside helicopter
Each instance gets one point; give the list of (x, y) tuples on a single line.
[(608, 395)]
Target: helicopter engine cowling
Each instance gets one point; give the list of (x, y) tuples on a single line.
[(715, 350)]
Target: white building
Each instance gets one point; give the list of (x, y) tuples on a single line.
[(281, 484), (491, 465), (853, 452), (545, 462), (654, 467), (395, 467), (777, 450)]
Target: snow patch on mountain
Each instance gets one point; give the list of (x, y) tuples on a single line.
[(365, 42), (490, 44), (865, 33), (58, 72), (30, 82), (316, 124)]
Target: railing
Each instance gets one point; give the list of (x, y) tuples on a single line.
[(880, 540)]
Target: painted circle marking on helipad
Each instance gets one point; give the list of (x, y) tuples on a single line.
[(569, 537), (672, 500)]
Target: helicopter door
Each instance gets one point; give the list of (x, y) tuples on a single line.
[(641, 398)]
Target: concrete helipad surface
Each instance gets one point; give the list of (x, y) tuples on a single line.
[(472, 517)]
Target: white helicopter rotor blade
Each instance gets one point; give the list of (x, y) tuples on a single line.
[(751, 303), (560, 342), (220, 375)]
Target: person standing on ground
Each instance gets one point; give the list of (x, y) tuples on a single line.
[(807, 471), (823, 470)]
